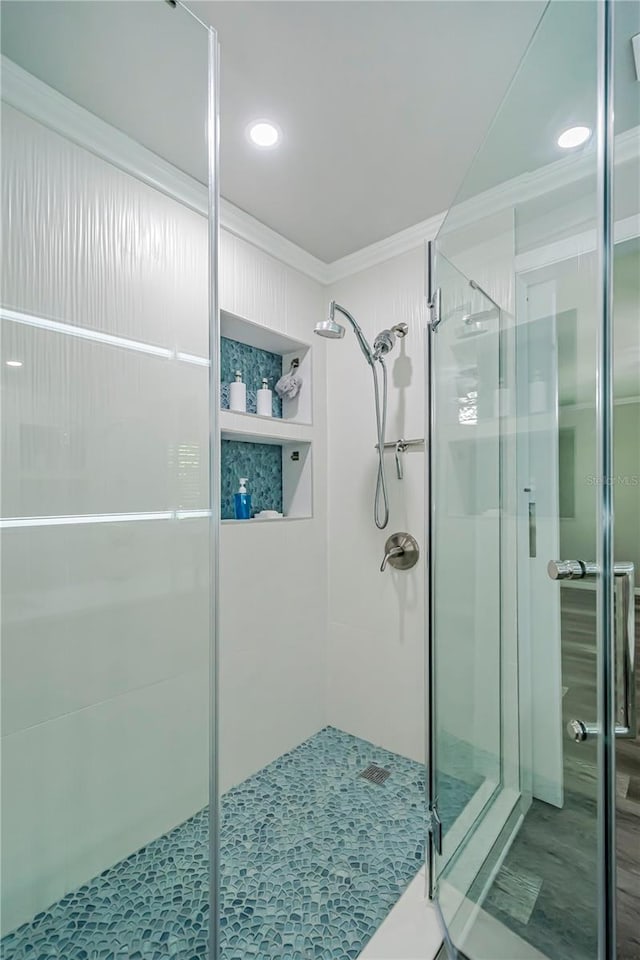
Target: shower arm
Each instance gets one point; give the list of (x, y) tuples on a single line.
[(362, 340)]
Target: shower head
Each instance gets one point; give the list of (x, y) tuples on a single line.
[(329, 329), (335, 331), (475, 323)]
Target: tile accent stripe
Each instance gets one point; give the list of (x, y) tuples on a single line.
[(87, 333), (8, 522)]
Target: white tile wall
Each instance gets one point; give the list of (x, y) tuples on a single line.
[(144, 277), (105, 642), (84, 790), (105, 627), (376, 628), (273, 594), (91, 428), (252, 284), (91, 612)]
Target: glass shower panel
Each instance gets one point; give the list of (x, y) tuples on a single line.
[(524, 228), (106, 557), (467, 544)]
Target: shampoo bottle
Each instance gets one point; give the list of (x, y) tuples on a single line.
[(238, 394), (264, 406), (242, 501)]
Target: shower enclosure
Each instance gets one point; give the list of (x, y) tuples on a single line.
[(535, 442), (213, 735)]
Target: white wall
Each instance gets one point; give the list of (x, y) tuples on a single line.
[(376, 637), (104, 625), (273, 575), (105, 640), (577, 532)]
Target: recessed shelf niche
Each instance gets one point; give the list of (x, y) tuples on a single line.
[(279, 480), (249, 334), (280, 476)]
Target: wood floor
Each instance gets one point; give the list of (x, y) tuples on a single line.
[(546, 891)]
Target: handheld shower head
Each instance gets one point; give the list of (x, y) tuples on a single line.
[(385, 341), (383, 344)]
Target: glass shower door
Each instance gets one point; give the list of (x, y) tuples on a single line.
[(526, 576), (474, 783)]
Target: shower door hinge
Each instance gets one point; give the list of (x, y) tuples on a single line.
[(434, 309), (434, 826)]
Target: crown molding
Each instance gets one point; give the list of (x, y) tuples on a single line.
[(540, 182), (47, 106), (246, 227), (35, 98), (506, 195), (41, 102), (393, 246), (579, 244)]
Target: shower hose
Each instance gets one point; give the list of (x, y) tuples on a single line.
[(380, 509)]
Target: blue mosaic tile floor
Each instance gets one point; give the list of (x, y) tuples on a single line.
[(312, 859)]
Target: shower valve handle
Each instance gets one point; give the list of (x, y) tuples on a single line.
[(394, 552), (401, 551)]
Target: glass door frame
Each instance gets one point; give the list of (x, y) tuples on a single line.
[(213, 150)]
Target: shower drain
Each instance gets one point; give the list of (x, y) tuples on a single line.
[(375, 774)]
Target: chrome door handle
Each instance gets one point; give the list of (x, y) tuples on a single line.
[(626, 621), (578, 730), (571, 569)]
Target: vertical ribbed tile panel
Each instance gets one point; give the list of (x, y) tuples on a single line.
[(376, 624), (105, 622), (92, 246), (253, 284)]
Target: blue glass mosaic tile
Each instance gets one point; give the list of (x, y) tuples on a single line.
[(262, 464), (254, 364), (312, 859)]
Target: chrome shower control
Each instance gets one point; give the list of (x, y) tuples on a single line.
[(401, 551)]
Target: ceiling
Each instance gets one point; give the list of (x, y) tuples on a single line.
[(383, 104)]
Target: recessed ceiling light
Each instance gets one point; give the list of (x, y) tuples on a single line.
[(263, 133), (574, 137), (13, 363)]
